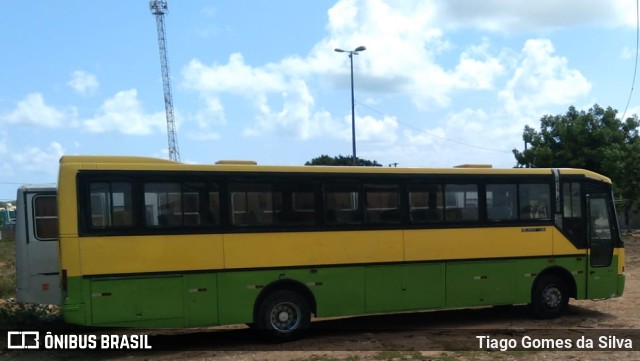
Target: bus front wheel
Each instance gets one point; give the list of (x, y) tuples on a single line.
[(549, 297), (283, 315)]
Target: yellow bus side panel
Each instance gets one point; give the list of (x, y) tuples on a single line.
[(70, 256), (311, 248), (620, 253), (470, 243), (162, 253), (67, 202), (133, 254), (561, 245)]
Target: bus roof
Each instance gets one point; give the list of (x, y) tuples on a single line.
[(37, 187), (148, 163)]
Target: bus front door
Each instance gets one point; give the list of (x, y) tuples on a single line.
[(602, 274), (37, 253)]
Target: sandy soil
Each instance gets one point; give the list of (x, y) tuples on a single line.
[(445, 335)]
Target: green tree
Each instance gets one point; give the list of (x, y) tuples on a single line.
[(595, 140), (342, 160)]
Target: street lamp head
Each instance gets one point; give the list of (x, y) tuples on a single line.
[(356, 50)]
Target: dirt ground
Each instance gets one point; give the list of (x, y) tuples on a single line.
[(442, 335)]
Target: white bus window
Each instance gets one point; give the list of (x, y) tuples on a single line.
[(45, 217)]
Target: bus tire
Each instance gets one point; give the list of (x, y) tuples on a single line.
[(283, 316), (549, 297)]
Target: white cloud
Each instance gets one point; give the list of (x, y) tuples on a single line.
[(33, 111), (381, 131), (422, 138), (411, 55), (523, 15), (477, 69), (235, 77), (627, 53), (402, 43), (124, 114), (35, 159), (468, 121), (212, 114), (83, 82), (296, 116), (542, 79)]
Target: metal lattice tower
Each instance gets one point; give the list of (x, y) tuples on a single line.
[(159, 8)]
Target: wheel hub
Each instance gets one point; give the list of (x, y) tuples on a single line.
[(283, 317), (552, 297)]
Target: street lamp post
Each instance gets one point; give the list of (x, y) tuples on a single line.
[(353, 111)]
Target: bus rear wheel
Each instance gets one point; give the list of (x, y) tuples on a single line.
[(549, 297), (283, 316)]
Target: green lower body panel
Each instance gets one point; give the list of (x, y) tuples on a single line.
[(621, 280), (404, 287), (603, 280), (504, 282), (177, 300), (229, 297)]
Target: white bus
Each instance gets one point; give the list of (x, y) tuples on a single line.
[(37, 247)]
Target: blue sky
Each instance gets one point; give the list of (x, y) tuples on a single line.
[(441, 82)]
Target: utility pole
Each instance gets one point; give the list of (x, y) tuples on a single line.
[(159, 8), (353, 103)]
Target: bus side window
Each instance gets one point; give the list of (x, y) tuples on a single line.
[(212, 213), (163, 204), (461, 202), (426, 203), (110, 204), (534, 201), (254, 204), (571, 200), (572, 221), (382, 203), (501, 202), (342, 204), (45, 217), (302, 208)]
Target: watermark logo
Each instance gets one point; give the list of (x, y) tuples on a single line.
[(21, 340), (30, 340)]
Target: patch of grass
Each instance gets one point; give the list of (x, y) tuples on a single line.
[(7, 269), (26, 315), (7, 286), (446, 357), (15, 314), (398, 355), (327, 358)]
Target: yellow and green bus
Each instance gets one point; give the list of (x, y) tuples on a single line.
[(154, 243)]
